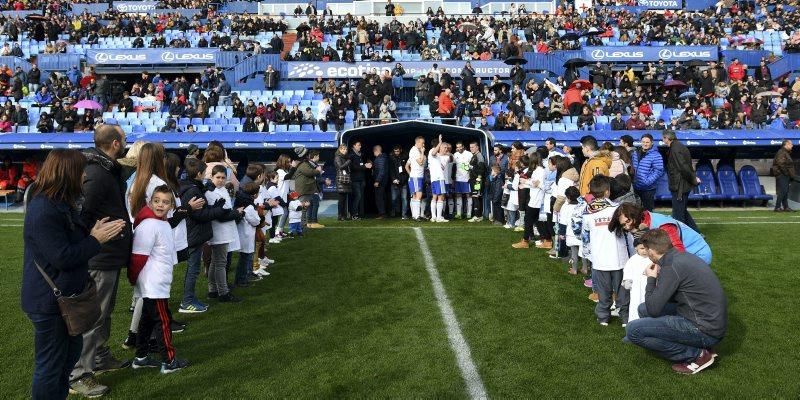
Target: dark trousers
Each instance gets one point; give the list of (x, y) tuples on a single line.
[(782, 186), (55, 353), (497, 211), (561, 245), (477, 206), (357, 199), (342, 203), (380, 200), (192, 272), (531, 216), (155, 317), (648, 198), (275, 220), (680, 210)]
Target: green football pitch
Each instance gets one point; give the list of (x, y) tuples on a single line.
[(380, 309)]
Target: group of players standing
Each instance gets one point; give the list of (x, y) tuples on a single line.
[(456, 180)]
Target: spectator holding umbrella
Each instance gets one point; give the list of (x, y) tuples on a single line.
[(682, 178), (58, 244), (784, 170)]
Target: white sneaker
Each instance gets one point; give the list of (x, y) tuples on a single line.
[(433, 219), (478, 219), (275, 240), (458, 216), (267, 261), (519, 229), (538, 242), (473, 219), (442, 220), (261, 272), (507, 226)]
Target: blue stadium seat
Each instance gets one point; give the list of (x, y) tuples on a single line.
[(202, 128), (294, 128), (196, 121), (22, 129), (215, 128), (280, 128), (184, 121), (751, 185), (729, 185), (545, 127), (138, 128), (707, 188)]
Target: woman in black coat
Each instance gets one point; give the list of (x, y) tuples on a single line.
[(58, 241), (343, 180)]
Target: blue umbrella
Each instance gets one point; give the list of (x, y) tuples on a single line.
[(687, 94)]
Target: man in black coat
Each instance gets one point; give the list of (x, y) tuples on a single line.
[(380, 177), (398, 176), (682, 178), (357, 180), (104, 197)]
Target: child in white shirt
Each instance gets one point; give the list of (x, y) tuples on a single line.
[(225, 238), (152, 260), (296, 209), (510, 198), (246, 228), (567, 237), (634, 284)]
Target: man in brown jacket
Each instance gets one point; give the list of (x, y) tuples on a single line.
[(784, 170)]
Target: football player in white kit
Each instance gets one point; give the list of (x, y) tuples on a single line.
[(462, 189), (436, 166), (415, 166)]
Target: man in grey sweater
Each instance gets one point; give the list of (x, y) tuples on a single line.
[(685, 310)]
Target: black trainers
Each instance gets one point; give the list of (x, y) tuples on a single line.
[(229, 298), (175, 365), (177, 327), (130, 341), (213, 295), (145, 362)]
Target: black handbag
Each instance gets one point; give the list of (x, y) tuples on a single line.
[(80, 312)]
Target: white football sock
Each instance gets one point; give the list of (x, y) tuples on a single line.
[(469, 206), (440, 209), (459, 204), (414, 208)]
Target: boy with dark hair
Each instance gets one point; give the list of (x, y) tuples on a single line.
[(607, 251), (152, 262)]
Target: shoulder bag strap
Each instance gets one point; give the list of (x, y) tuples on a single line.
[(47, 278)]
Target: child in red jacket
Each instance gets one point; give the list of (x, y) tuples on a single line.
[(150, 272)]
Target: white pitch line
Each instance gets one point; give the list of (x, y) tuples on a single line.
[(454, 335), (9, 226)]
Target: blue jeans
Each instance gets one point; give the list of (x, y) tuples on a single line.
[(313, 209), (55, 353), (670, 336), (399, 194), (244, 267), (357, 199), (192, 272)]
